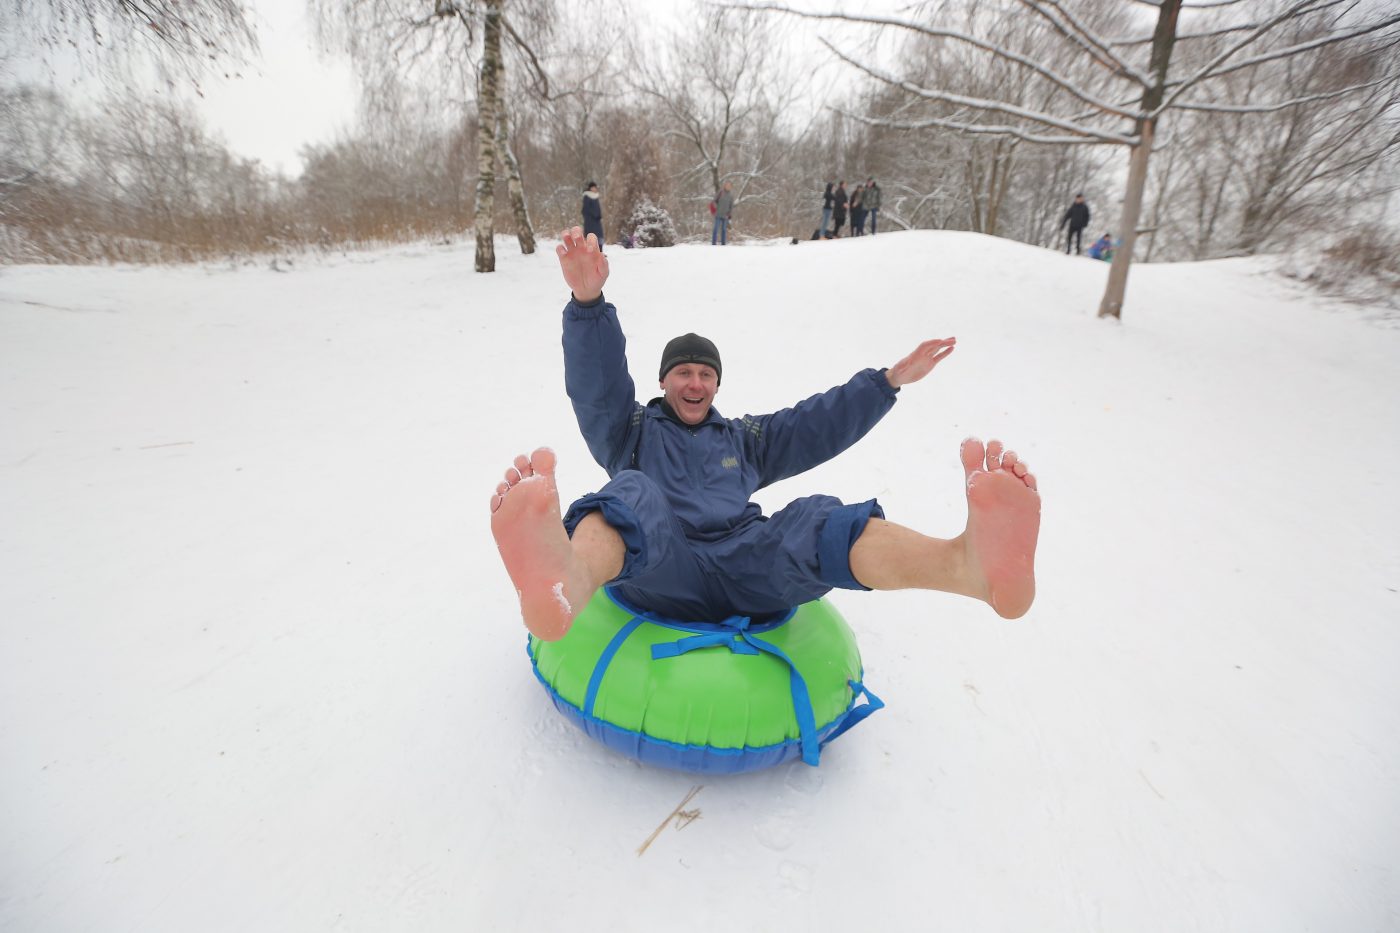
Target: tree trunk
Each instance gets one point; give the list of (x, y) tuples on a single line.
[(1112, 304), (523, 230), (1163, 38), (488, 89)]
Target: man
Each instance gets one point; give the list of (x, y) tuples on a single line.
[(593, 212), (724, 206), (839, 200), (872, 203), (1077, 216), (674, 529)]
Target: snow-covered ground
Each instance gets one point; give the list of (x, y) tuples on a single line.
[(260, 669)]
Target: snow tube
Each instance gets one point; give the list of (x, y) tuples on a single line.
[(708, 697)]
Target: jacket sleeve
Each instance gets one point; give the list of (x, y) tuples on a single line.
[(814, 430), (599, 386)]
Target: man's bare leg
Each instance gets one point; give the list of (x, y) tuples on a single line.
[(554, 575), (992, 560)]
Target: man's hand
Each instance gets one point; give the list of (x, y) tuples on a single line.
[(920, 363), (584, 267)]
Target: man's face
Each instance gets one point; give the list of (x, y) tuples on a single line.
[(690, 389)]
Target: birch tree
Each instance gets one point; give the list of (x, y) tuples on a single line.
[(438, 37), (1132, 84)]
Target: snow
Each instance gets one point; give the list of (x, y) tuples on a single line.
[(261, 669)]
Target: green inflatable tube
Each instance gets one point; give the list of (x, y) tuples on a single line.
[(723, 697)]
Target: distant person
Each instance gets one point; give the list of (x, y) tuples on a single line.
[(1102, 248), (723, 208), (1077, 216), (871, 202), (593, 213), (858, 211), (838, 213), (824, 231)]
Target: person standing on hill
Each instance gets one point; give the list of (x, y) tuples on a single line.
[(593, 213), (1077, 216), (838, 215), (858, 211), (824, 231), (724, 206), (871, 202)]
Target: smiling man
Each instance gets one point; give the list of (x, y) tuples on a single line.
[(674, 528)]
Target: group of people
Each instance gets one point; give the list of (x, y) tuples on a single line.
[(1076, 217), (863, 203), (860, 206), (721, 208)]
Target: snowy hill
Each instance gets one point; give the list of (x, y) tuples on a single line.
[(260, 668)]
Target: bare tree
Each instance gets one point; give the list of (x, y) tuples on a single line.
[(395, 37), (188, 37), (1123, 101), (723, 99)]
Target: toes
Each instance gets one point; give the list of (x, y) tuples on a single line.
[(522, 465), (1029, 479), (499, 497), (994, 454), (513, 476), (542, 461), (1008, 460), (972, 453)]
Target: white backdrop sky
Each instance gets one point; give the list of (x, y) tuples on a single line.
[(292, 94)]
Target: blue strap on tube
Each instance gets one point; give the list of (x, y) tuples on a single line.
[(599, 669)]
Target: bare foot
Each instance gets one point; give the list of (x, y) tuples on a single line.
[(1003, 521), (553, 586)]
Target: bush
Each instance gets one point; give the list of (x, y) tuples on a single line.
[(651, 225)]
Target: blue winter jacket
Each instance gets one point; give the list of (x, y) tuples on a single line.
[(707, 471)]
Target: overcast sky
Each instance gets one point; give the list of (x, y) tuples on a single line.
[(290, 96), (293, 94)]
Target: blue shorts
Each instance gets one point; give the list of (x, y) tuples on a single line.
[(769, 565)]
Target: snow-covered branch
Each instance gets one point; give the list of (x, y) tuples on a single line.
[(1282, 105), (1087, 39), (980, 103), (936, 32), (1302, 47), (1210, 68), (988, 129)]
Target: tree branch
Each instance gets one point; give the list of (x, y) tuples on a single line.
[(940, 33), (1301, 48), (978, 103), (1281, 105), (1085, 38), (984, 129), (1209, 69)]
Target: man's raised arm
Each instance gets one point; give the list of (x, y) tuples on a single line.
[(595, 356), (814, 430)]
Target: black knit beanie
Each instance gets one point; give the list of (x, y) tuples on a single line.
[(690, 348)]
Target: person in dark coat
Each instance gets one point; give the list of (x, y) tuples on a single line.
[(824, 231), (871, 202), (858, 211), (675, 530), (838, 214), (1077, 216), (593, 213)]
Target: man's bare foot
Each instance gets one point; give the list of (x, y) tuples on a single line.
[(552, 584), (1003, 521)]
